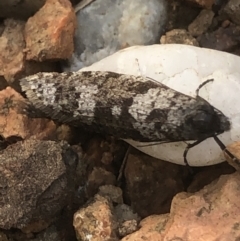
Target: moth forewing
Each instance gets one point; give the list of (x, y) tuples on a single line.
[(125, 106)]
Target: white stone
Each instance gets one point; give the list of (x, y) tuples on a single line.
[(106, 26), (184, 68)]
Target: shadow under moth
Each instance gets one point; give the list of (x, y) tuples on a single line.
[(124, 106)]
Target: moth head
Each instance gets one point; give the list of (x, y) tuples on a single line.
[(207, 120)]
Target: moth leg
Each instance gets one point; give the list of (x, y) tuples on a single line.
[(189, 146), (119, 178), (201, 85), (154, 144), (223, 147)]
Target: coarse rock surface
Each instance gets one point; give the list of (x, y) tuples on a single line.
[(115, 25), (49, 234), (232, 10), (96, 222), (3, 237), (224, 38), (201, 24), (52, 233), (151, 184), (206, 175), (112, 192), (211, 214), (127, 219), (234, 149), (98, 177), (180, 14), (101, 171), (15, 124), (19, 9), (11, 48), (35, 183), (49, 33), (203, 3), (127, 227), (13, 56), (101, 220), (151, 228), (179, 36)]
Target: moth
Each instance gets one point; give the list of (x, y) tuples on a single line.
[(124, 106)]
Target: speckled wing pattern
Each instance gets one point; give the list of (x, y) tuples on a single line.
[(125, 106)]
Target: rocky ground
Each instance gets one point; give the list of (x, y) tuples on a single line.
[(61, 183)]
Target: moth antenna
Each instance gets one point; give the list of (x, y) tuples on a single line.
[(145, 77), (221, 145), (154, 144), (123, 165), (224, 148), (201, 85)]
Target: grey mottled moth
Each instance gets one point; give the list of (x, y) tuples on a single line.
[(125, 106)]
